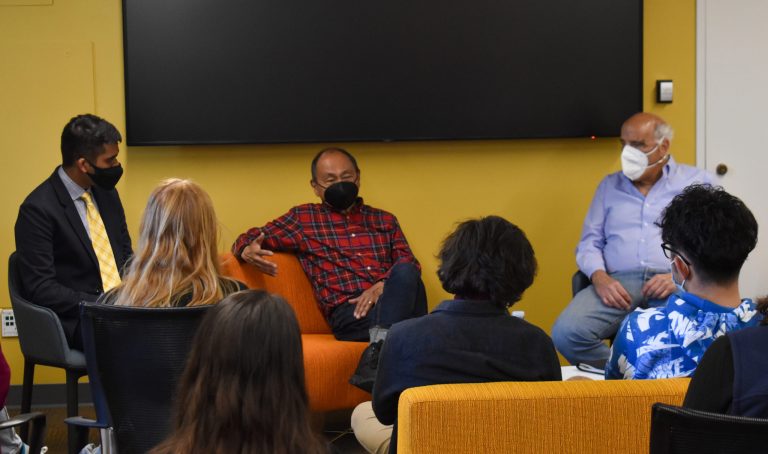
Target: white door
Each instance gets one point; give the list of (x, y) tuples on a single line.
[(732, 112)]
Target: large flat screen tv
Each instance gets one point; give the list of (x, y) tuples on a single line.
[(267, 71)]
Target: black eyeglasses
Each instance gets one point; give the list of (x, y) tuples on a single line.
[(669, 252)]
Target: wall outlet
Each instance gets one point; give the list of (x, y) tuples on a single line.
[(9, 324), (518, 314)]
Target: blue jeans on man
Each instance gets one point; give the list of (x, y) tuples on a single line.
[(403, 297), (580, 330)]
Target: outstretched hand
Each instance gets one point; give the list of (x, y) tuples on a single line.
[(365, 302), (253, 254)]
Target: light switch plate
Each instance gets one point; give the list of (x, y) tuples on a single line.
[(9, 324), (664, 91)]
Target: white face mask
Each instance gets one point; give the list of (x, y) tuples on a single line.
[(634, 162), (680, 286)]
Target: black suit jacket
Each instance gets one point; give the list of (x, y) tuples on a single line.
[(57, 263)]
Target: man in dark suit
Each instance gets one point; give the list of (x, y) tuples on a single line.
[(71, 237)]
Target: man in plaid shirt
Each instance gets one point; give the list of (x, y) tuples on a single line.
[(358, 260)]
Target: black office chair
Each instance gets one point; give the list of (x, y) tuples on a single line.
[(682, 430), (135, 357), (42, 341), (579, 282), (37, 435), (103, 421)]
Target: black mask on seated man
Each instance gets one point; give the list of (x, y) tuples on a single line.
[(341, 195), (106, 178)]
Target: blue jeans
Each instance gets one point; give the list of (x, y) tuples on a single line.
[(403, 298), (580, 329)]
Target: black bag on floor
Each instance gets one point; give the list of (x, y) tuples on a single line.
[(365, 374)]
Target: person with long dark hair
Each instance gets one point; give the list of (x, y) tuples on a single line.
[(242, 390)]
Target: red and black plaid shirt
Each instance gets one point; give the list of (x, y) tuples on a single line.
[(342, 254)]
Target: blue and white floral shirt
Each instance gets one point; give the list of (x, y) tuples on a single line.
[(669, 341)]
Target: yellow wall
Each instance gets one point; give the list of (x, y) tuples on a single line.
[(64, 58)]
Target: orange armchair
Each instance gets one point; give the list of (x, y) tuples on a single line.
[(599, 417), (328, 363)]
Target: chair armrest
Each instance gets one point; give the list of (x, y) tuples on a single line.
[(79, 421), (579, 282), (22, 419), (41, 335), (36, 435)]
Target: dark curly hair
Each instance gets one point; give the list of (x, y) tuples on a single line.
[(487, 258), (85, 136), (711, 229)]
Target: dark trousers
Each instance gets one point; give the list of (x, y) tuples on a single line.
[(403, 298)]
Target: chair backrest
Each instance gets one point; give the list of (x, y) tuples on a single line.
[(579, 282), (582, 416), (682, 430), (41, 336), (136, 356), (291, 283)]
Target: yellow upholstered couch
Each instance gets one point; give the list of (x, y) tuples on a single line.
[(328, 363), (538, 417)]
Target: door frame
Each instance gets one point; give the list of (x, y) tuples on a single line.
[(701, 84)]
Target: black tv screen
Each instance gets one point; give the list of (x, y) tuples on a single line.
[(267, 71)]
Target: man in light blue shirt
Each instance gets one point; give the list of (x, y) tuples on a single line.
[(620, 246)]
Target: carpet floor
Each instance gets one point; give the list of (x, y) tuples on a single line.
[(335, 427)]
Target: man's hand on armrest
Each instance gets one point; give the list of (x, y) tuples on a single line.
[(610, 291), (253, 254)]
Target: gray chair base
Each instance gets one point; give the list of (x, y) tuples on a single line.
[(76, 437)]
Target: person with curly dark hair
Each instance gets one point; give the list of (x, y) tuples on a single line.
[(708, 234), (487, 264), (732, 375)]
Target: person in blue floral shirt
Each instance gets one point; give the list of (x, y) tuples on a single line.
[(707, 234)]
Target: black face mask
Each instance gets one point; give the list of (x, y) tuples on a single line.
[(105, 178), (341, 195)]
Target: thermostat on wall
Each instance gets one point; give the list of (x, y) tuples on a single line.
[(664, 91)]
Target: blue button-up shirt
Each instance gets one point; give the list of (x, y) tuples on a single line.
[(620, 232)]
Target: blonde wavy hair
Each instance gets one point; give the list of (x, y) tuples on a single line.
[(177, 251)]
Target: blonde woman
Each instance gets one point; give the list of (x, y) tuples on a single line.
[(176, 261)]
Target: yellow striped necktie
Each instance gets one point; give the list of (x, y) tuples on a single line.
[(110, 277)]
